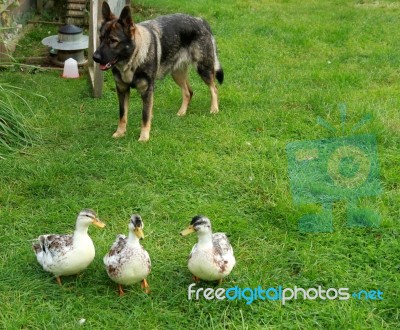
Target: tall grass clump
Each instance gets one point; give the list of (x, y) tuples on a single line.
[(16, 132)]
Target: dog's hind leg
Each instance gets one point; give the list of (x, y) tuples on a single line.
[(214, 97), (123, 98), (181, 78), (208, 77)]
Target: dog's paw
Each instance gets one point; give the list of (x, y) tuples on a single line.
[(144, 137), (118, 134), (181, 113), (214, 110)]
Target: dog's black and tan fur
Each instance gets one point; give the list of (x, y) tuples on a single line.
[(141, 53)]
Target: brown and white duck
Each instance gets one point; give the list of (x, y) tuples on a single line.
[(211, 259), (65, 255), (128, 262)]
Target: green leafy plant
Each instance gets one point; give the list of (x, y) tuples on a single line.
[(15, 130)]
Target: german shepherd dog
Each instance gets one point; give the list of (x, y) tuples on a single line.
[(138, 54)]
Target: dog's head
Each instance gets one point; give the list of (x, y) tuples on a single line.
[(116, 38)]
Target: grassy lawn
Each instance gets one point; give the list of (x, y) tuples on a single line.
[(286, 63)]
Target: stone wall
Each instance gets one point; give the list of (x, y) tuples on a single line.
[(10, 13)]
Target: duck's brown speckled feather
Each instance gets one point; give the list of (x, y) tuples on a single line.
[(122, 254), (222, 247), (118, 245), (54, 244)]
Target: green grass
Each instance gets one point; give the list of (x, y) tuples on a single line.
[(286, 63)]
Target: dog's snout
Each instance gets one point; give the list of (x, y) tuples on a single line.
[(96, 57)]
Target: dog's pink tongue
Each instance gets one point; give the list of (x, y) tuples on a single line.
[(104, 67)]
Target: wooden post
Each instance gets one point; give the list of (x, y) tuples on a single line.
[(116, 6), (96, 75)]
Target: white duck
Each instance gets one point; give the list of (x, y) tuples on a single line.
[(128, 262), (212, 257), (68, 254)]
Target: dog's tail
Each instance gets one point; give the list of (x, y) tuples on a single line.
[(219, 73)]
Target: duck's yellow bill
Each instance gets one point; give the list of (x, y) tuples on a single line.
[(188, 231), (139, 233), (98, 223)]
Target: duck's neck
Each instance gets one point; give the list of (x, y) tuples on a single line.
[(81, 230), (133, 240), (205, 239)]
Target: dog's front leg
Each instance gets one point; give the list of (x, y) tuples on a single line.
[(147, 112), (123, 91)]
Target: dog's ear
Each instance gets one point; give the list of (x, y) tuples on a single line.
[(126, 18), (106, 12)]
